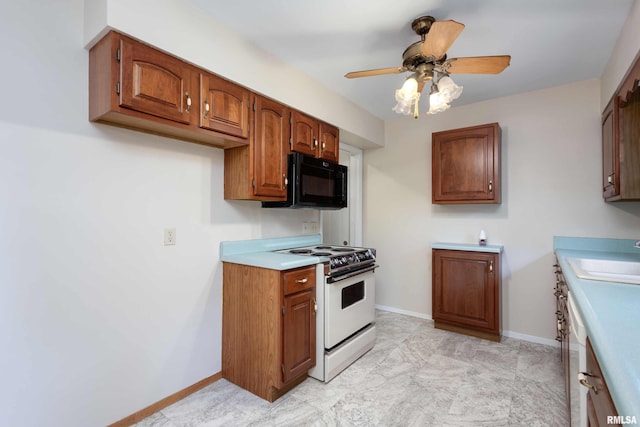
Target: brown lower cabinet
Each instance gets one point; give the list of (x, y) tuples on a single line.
[(601, 410), (466, 292), (268, 327)]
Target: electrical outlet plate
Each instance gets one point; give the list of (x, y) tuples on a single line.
[(312, 227), (169, 236)]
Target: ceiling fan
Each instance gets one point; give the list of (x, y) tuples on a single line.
[(427, 60)]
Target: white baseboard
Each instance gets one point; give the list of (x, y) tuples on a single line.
[(400, 311), (510, 334), (531, 338)]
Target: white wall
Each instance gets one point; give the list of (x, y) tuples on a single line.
[(98, 319), (551, 156)]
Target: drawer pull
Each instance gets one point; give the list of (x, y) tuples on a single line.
[(302, 281), (582, 378)]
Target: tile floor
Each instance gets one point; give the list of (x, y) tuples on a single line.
[(415, 376)]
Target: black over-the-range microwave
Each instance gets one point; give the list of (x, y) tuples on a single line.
[(313, 183)]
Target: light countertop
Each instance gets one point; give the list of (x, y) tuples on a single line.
[(259, 252), (611, 314), (468, 247)]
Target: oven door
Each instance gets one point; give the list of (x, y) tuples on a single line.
[(349, 306)]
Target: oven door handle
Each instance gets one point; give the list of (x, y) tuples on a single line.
[(344, 276)]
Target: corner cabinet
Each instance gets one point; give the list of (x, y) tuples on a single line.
[(268, 327), (621, 141), (466, 290), (466, 165)]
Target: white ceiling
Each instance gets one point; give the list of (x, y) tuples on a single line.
[(551, 42)]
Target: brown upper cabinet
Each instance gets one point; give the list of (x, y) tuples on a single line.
[(224, 106), (136, 86), (259, 171), (466, 165), (621, 141), (313, 137)]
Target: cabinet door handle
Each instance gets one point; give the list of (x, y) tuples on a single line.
[(323, 146), (285, 180), (188, 102), (302, 281), (490, 186), (610, 179), (491, 267), (582, 378), (206, 108), (315, 142), (315, 306)]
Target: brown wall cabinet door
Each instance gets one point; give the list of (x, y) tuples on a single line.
[(224, 106), (304, 134), (329, 142), (466, 292), (610, 167), (466, 165), (314, 138), (156, 83), (270, 148)]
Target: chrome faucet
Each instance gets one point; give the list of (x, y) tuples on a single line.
[(637, 245)]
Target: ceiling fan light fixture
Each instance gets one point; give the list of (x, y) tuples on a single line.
[(406, 96), (409, 89), (437, 102), (449, 89)]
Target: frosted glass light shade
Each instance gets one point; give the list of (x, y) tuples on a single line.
[(437, 103), (409, 89), (449, 89)]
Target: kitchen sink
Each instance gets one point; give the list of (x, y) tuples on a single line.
[(606, 270)]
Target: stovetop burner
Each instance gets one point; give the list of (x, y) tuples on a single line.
[(341, 258), (300, 251)]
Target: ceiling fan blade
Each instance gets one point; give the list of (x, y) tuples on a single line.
[(440, 38), (376, 72), (477, 64)]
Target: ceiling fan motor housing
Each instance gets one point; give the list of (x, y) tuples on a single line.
[(422, 25)]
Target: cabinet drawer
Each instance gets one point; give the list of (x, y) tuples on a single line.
[(299, 279)]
